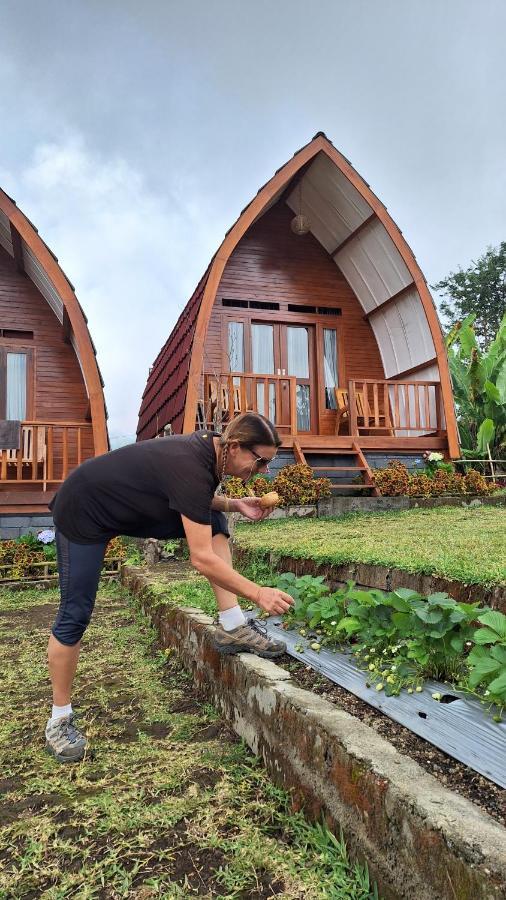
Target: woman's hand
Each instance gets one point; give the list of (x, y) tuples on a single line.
[(275, 602), (250, 507)]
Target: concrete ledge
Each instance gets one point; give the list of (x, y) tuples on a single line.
[(386, 579), (420, 840)]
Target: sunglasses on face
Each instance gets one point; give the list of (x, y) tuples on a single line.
[(260, 461)]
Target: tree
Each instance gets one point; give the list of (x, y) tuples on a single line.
[(479, 388), (479, 290)]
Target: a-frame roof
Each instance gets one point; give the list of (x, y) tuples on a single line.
[(20, 238), (354, 227)]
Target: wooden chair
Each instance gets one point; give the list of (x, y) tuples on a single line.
[(343, 411), (217, 400)]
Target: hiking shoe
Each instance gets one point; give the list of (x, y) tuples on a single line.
[(248, 638), (64, 741)]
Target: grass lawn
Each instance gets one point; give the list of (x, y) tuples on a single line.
[(169, 804), (468, 545)]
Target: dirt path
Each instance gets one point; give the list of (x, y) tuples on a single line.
[(168, 804)]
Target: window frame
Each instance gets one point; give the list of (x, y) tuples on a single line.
[(8, 345)]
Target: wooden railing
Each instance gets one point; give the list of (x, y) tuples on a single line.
[(275, 396), (398, 407), (48, 452)]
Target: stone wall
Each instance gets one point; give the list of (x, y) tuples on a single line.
[(14, 526)]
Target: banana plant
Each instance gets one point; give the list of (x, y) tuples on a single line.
[(479, 386)]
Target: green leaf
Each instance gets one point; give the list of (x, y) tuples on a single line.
[(362, 597), (499, 653), (492, 392), (457, 644), (398, 603), (402, 622), (498, 686), (486, 434), (349, 624), (407, 594), (496, 620), (501, 384), (440, 598), (476, 654), (430, 616), (485, 636)]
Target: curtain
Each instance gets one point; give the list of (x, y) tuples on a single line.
[(330, 366), (262, 349), (303, 408), (298, 355), (271, 414), (16, 386)]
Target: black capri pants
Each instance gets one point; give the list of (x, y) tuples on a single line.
[(79, 567)]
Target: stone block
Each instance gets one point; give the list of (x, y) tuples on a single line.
[(9, 534)]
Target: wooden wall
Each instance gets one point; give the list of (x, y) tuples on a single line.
[(59, 393), (270, 263)]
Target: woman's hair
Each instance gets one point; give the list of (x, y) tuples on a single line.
[(251, 428)]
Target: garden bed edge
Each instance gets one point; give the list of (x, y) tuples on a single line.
[(419, 838)]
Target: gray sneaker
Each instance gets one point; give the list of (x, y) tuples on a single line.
[(248, 638), (64, 741)]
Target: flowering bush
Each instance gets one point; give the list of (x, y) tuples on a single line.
[(29, 555), (396, 481), (294, 484)]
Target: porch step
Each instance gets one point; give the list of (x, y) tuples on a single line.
[(343, 465), (355, 487), (339, 468)]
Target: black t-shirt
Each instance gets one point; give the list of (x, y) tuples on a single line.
[(139, 488)]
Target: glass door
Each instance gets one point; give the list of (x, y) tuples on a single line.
[(297, 354), (264, 356)]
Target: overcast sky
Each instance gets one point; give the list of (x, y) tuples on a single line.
[(133, 133)]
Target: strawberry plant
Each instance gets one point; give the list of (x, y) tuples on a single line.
[(402, 638), (487, 659)]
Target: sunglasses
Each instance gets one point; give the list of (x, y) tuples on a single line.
[(260, 461)]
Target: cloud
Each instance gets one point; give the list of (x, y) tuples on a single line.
[(133, 256)]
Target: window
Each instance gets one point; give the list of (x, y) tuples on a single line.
[(14, 368)]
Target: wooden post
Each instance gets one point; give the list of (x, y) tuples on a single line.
[(352, 404)]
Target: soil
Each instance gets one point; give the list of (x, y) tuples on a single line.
[(450, 772)]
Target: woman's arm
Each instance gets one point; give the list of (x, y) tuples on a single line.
[(205, 560), (247, 506), (223, 504)]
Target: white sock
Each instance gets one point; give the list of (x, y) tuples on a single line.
[(232, 618), (59, 711)]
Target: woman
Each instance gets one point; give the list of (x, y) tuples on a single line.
[(162, 488)]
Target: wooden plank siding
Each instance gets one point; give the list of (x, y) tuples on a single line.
[(271, 264), (56, 389)]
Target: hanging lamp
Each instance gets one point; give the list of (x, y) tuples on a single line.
[(300, 224)]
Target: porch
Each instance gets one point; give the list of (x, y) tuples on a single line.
[(47, 453), (373, 414)]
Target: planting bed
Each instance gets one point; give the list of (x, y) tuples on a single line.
[(465, 730), (420, 839), (195, 592), (448, 771)]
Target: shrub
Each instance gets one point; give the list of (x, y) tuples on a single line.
[(476, 484), (19, 557), (294, 484), (437, 480), (392, 481)]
